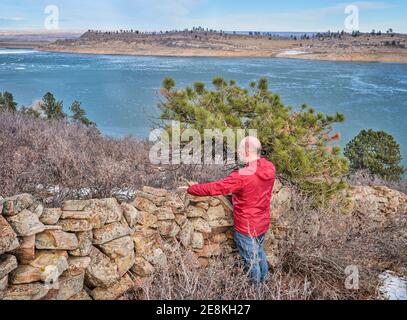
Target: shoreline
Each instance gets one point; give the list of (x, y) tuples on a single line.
[(311, 56), (364, 48), (336, 47), (288, 52)]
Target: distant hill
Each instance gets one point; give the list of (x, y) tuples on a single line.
[(33, 36), (200, 42)]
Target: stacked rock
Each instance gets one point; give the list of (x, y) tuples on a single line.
[(18, 227), (94, 249), (170, 220), (105, 250), (51, 253)]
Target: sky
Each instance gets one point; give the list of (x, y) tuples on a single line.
[(228, 15)]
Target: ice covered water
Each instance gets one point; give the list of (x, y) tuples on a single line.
[(120, 93), (392, 286)]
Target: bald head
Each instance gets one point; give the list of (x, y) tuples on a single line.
[(250, 149)]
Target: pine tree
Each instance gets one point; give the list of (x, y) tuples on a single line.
[(296, 141), (377, 152), (48, 108), (52, 108), (79, 115), (7, 102)]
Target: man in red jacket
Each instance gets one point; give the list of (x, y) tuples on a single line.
[(252, 189)]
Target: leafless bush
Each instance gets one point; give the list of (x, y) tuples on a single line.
[(66, 158), (45, 157), (322, 242), (317, 246), (224, 279), (364, 178)]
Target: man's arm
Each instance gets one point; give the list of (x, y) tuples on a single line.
[(231, 184)]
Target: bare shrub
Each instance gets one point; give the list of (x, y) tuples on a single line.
[(40, 156), (224, 279), (317, 246), (364, 178), (321, 242), (64, 160)]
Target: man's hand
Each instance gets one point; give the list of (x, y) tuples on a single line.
[(189, 184)]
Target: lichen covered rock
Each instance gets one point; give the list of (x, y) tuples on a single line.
[(16, 204), (86, 249), (26, 223), (56, 240), (102, 272), (8, 263), (8, 238)]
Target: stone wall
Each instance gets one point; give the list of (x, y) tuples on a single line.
[(359, 207), (96, 249), (99, 249)]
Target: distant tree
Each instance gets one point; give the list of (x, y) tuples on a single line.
[(7, 102), (377, 152), (48, 108), (168, 83), (79, 115), (355, 33), (52, 108)]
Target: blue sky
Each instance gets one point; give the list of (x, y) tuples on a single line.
[(255, 15)]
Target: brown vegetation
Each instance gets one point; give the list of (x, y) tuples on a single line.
[(311, 261), (61, 160)]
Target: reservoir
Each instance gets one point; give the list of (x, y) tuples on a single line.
[(120, 93)]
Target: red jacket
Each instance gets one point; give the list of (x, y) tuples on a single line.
[(252, 189)]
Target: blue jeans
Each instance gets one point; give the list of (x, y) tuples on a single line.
[(255, 259)]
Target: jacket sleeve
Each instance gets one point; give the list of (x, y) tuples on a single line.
[(231, 184)]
